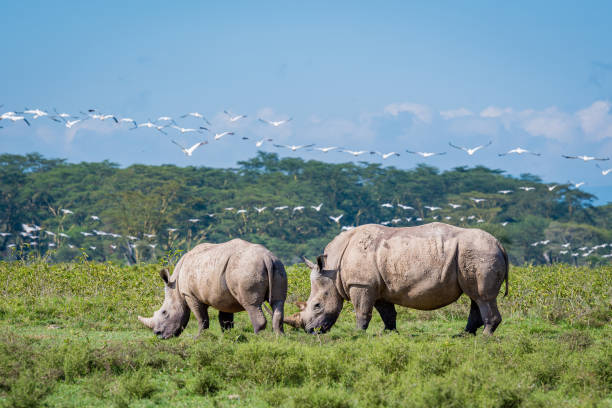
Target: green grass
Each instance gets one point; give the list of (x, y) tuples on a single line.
[(69, 337)]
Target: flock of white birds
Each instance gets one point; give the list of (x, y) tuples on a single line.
[(164, 124), (38, 236)]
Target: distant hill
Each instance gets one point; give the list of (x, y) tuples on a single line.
[(131, 213)]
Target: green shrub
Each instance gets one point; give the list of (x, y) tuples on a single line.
[(205, 383)]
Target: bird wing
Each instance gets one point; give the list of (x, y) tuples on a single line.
[(569, 157), (457, 147), (176, 143)]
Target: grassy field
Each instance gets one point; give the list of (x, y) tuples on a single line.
[(69, 337)]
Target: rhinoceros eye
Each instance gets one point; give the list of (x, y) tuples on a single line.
[(317, 306)]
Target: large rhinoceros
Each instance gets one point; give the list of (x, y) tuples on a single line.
[(424, 267), (231, 277)]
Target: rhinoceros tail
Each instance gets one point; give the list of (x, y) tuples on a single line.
[(269, 262), (507, 268)]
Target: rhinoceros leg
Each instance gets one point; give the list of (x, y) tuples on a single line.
[(387, 313), (200, 311), (257, 317), (226, 320), (474, 319), (490, 314), (363, 301), (278, 310)]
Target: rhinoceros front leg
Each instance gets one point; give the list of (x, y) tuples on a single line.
[(363, 302), (474, 319), (387, 313), (226, 320), (200, 311)]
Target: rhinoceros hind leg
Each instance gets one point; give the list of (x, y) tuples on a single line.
[(278, 316), (226, 320), (387, 313), (474, 319), (490, 314), (257, 317)]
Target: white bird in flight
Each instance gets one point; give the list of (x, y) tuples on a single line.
[(478, 200), (13, 117), (469, 150), (317, 208), (586, 158), (527, 188), (220, 135), (70, 123), (275, 123), (355, 152), (455, 206), (387, 205), (405, 207), (505, 191), (293, 148), (196, 115), (336, 219), (432, 208), (95, 218), (189, 151), (551, 188), (604, 172), (326, 149), (259, 143), (37, 113), (283, 207), (66, 211), (426, 154), (579, 184), (184, 130), (385, 156), (260, 210), (518, 150), (232, 117)]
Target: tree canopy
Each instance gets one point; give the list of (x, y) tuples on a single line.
[(145, 211)]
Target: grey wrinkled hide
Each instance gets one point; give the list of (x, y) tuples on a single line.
[(424, 267), (230, 277)]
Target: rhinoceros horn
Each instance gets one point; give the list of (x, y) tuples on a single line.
[(294, 320), (147, 321)]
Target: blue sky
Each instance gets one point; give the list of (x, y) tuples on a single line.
[(387, 76)]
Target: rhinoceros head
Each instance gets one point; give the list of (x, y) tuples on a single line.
[(173, 316), (324, 304)]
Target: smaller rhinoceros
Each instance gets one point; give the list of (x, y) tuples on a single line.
[(231, 277)]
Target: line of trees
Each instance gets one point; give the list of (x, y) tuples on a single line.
[(144, 202)]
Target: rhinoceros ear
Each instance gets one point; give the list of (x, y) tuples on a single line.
[(165, 275), (311, 265), (321, 261)]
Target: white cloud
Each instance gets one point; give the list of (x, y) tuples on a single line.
[(495, 112), (455, 113), (93, 125), (550, 123), (596, 120), (421, 113)]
